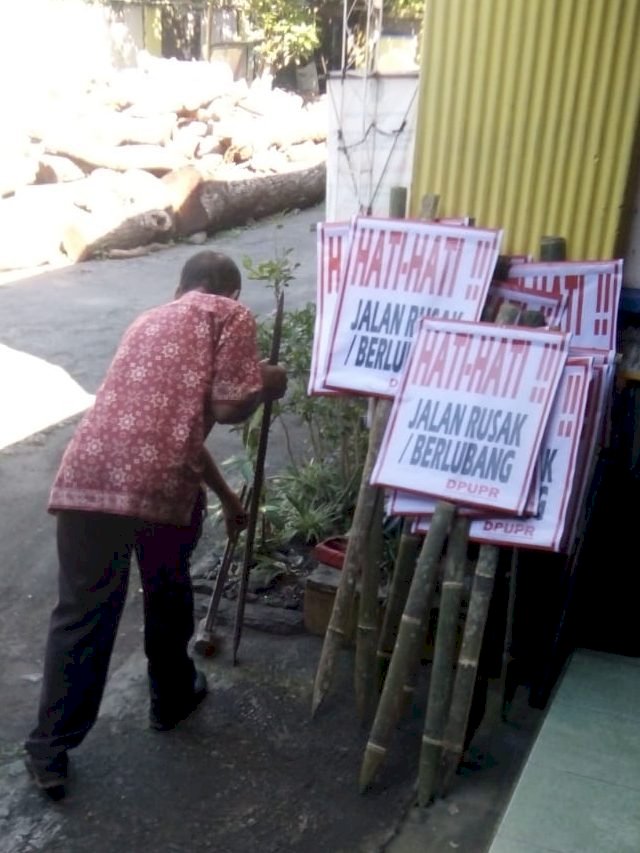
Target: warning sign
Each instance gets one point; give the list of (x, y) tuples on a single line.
[(399, 271), (469, 416), (592, 289), (558, 458), (332, 246)]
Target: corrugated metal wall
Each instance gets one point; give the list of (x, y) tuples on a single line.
[(528, 118)]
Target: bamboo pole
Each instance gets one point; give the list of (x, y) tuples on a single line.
[(406, 654), (409, 543), (256, 489), (504, 689), (531, 319), (367, 637), (399, 589), (467, 666), (553, 248), (354, 560), (450, 745), (398, 202), (429, 206), (443, 667), (365, 681)]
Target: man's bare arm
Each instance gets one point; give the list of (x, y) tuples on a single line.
[(274, 386), (234, 513)]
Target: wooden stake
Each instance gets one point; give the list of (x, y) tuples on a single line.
[(367, 638), (354, 560), (503, 692), (429, 206), (553, 249), (365, 681), (444, 656), (256, 488), (452, 744), (406, 654), (397, 598), (467, 667), (398, 202)]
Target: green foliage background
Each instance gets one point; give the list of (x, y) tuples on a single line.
[(287, 28)]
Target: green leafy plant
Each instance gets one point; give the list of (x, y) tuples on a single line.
[(413, 9), (286, 30), (278, 273), (314, 496)]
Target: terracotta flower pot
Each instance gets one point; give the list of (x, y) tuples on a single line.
[(331, 551)]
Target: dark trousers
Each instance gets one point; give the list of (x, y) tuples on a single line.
[(94, 551)]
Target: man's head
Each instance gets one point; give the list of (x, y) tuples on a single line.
[(210, 272)]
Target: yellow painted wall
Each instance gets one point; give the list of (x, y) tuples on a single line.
[(528, 118)]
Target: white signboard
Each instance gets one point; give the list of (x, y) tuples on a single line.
[(408, 503), (551, 306), (558, 468), (397, 272), (599, 395), (469, 416), (332, 250), (332, 246), (593, 292)]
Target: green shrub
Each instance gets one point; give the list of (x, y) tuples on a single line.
[(314, 496)]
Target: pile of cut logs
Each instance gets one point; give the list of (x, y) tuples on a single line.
[(159, 152)]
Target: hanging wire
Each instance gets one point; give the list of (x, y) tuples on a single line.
[(342, 146), (396, 136), (370, 131), (374, 30)]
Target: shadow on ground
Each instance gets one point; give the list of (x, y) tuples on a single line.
[(249, 773)]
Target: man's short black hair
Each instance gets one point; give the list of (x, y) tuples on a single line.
[(211, 272)]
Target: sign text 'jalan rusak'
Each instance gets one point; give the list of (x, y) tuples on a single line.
[(399, 271), (468, 420)]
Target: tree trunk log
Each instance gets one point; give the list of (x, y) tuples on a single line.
[(232, 203), (211, 206), (90, 155), (32, 225), (87, 236), (197, 205)]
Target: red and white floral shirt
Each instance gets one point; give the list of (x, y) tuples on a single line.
[(136, 452)]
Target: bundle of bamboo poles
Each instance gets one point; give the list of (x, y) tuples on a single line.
[(357, 563), (387, 665), (452, 681), (387, 661)]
